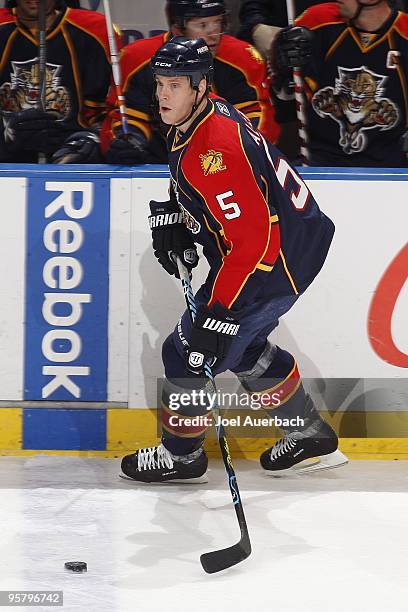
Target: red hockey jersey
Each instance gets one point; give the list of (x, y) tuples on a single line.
[(261, 229)]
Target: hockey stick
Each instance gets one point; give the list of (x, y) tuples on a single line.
[(298, 80), (117, 77), (42, 63), (226, 557)]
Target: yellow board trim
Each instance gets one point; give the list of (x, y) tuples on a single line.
[(11, 428), (128, 429)]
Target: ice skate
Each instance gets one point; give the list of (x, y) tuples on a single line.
[(157, 464), (308, 450)]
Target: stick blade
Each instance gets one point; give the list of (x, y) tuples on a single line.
[(218, 560)]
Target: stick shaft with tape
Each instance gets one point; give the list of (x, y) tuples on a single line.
[(117, 77), (299, 94)]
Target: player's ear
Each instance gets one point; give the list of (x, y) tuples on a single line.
[(202, 86), (176, 30)]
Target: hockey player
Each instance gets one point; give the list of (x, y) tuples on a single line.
[(239, 76), (78, 74), (355, 64), (265, 240)]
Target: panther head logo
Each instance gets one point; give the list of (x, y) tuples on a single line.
[(23, 90), (357, 104)]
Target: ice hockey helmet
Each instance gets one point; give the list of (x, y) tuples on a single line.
[(181, 56), (180, 11)]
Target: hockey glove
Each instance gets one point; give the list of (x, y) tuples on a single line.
[(79, 148), (212, 334), (33, 130), (292, 48), (170, 237), (128, 149)]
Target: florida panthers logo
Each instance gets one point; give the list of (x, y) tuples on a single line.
[(211, 162), (23, 90), (356, 103)]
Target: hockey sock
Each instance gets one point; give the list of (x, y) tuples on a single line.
[(185, 415)]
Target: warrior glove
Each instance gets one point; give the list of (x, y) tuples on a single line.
[(213, 332), (171, 238), (79, 148)]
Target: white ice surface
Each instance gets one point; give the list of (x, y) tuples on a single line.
[(334, 541)]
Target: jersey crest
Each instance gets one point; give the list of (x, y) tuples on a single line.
[(211, 162), (23, 90), (357, 104)]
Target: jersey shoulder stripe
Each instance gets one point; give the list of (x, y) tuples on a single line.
[(320, 15), (137, 54), (6, 17), (401, 25), (92, 23), (241, 55)]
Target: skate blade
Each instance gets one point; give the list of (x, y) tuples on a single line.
[(314, 464), (200, 480)]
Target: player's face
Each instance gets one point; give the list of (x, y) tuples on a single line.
[(209, 28), (30, 8), (176, 98), (348, 8)]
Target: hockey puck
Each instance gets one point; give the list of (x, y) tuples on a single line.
[(76, 566)]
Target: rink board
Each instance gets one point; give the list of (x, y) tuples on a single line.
[(85, 308)]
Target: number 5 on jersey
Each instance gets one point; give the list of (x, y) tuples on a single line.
[(233, 207)]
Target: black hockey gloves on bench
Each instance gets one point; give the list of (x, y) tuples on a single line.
[(213, 331), (171, 237), (79, 148), (33, 130), (292, 48)]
